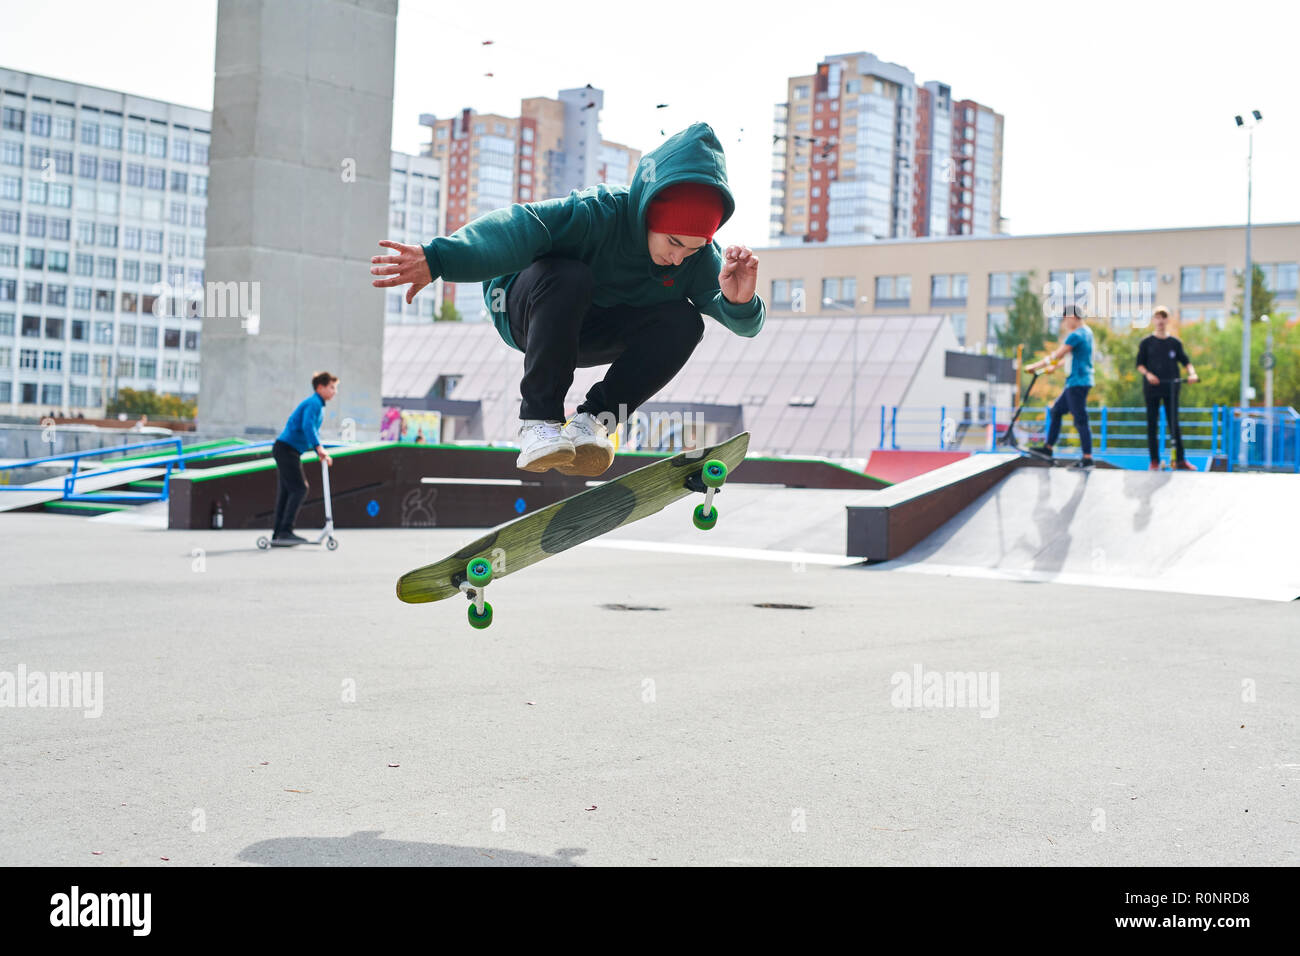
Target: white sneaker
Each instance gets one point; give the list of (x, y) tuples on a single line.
[(593, 452), (543, 446)]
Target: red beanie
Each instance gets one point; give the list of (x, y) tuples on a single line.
[(686, 209)]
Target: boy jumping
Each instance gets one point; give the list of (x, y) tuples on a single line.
[(610, 275)]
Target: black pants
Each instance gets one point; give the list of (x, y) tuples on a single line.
[(553, 321), (1073, 399), (293, 486), (1155, 395)]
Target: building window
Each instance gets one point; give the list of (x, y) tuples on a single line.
[(788, 294), (1280, 278), (1002, 286), (893, 292), (842, 290), (948, 289), (1202, 283)]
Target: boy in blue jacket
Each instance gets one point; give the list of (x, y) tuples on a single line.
[(301, 434), (610, 275)]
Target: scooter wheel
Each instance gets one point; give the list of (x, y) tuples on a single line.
[(332, 543), (264, 542)]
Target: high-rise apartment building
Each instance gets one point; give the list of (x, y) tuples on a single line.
[(552, 148), (103, 213), (416, 211), (862, 152)]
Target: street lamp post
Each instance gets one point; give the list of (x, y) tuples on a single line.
[(1268, 364), (1249, 282)]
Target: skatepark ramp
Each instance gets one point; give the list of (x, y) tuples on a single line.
[(1209, 533)]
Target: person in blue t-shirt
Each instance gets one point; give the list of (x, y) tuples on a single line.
[(1078, 343), (301, 434)]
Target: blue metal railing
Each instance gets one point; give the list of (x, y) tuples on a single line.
[(1255, 438), (70, 480), (176, 460)]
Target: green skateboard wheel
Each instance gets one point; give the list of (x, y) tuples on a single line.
[(702, 521), (478, 622), (479, 572), (714, 473)]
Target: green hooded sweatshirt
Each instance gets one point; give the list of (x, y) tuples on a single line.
[(605, 227)]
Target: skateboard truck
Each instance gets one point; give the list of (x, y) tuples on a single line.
[(709, 481), (477, 575)]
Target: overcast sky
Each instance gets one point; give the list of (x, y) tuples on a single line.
[(1118, 114)]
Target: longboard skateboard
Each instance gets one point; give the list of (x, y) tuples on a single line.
[(516, 544)]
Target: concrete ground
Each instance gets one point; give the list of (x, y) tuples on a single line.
[(283, 708)]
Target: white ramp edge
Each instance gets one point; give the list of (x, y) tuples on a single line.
[(713, 551), (1210, 586), (1212, 534)]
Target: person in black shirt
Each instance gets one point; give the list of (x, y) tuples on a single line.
[(1158, 358)]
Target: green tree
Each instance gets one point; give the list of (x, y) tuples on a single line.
[(1261, 299), (133, 402), (1026, 325), (448, 313), (1215, 354), (1115, 366)]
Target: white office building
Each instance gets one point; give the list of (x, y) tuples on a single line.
[(103, 211)]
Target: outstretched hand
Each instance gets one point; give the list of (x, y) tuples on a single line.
[(408, 266), (739, 275)]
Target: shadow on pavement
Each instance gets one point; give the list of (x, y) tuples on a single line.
[(365, 848)]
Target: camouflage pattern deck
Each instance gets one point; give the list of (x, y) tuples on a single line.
[(558, 527)]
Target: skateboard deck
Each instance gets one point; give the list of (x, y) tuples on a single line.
[(1051, 462), (523, 541)]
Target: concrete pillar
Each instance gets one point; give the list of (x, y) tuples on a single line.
[(297, 199)]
